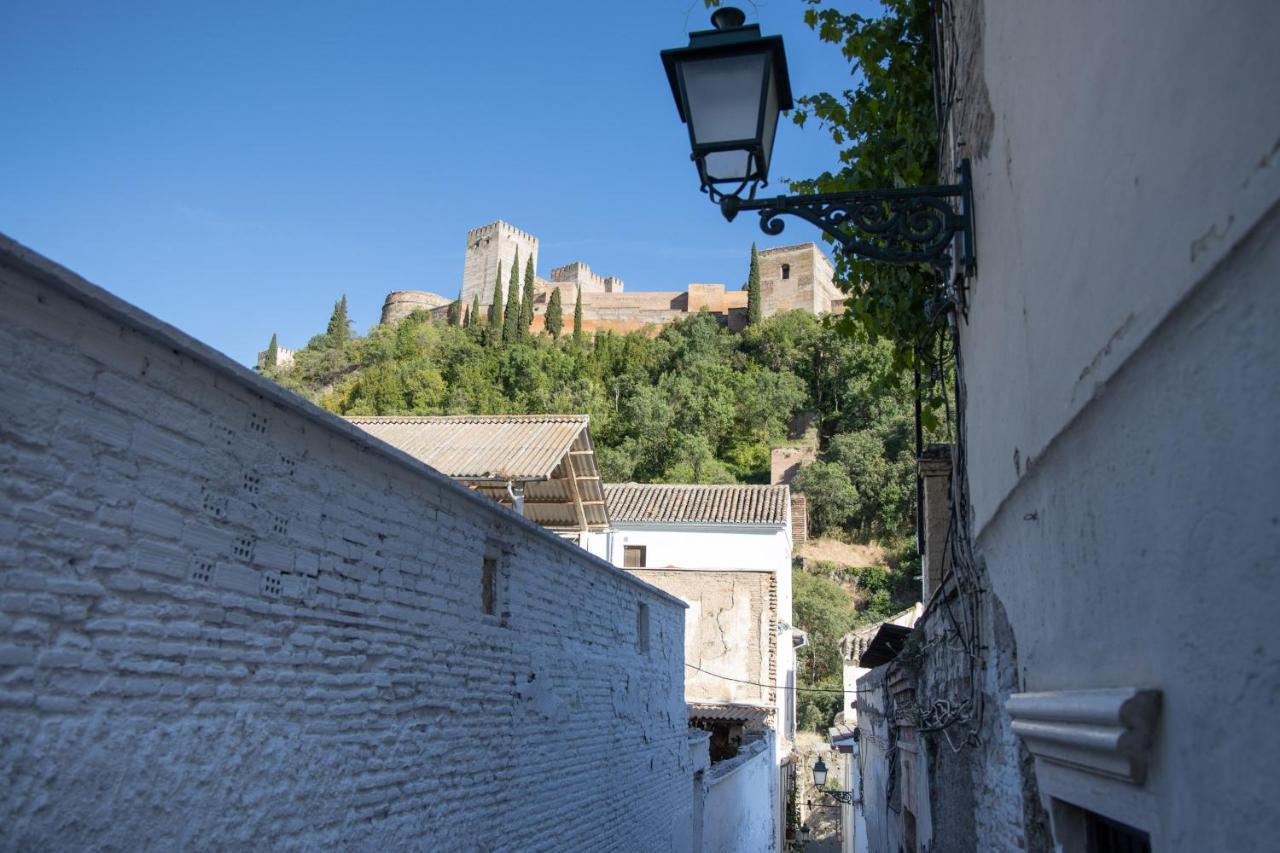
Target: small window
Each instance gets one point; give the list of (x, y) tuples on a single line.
[(642, 628), (1108, 836), (786, 270), (633, 556), (489, 586)]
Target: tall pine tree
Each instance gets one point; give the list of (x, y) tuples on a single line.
[(554, 319), (753, 290), (272, 354), (577, 318), (473, 316), (495, 310), (511, 322), (526, 301), (339, 331)]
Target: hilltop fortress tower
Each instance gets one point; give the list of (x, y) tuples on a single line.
[(791, 277), (487, 247)]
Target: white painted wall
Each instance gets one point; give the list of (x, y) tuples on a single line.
[(1123, 371), (231, 620), (1130, 153), (738, 816)]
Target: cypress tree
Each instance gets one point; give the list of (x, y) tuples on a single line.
[(526, 302), (577, 318), (495, 310), (554, 319), (473, 316), (273, 353), (511, 322), (454, 317), (339, 330), (753, 289)]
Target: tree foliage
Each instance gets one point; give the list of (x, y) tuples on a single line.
[(511, 323), (339, 330), (886, 129), (694, 403), (526, 300), (496, 318), (753, 289), (577, 317), (555, 314), (273, 352)]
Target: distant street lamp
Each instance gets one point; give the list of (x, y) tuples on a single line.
[(820, 781), (731, 85)]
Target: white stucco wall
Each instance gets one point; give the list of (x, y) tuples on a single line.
[(1132, 148), (738, 815), (231, 620), (1122, 368)]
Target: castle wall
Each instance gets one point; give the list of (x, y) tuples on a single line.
[(487, 246), (579, 275), (231, 620), (402, 303)]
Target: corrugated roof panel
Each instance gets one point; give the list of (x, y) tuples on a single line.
[(476, 447), (690, 504)]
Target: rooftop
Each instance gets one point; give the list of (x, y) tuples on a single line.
[(691, 504), (552, 456)]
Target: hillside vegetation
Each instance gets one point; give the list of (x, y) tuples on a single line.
[(693, 404)]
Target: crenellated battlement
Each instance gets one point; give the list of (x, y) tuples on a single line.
[(499, 226), (792, 277)]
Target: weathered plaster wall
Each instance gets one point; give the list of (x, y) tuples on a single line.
[(1142, 550), (729, 630), (1126, 156), (401, 303), (738, 815), (229, 619), (1121, 365)]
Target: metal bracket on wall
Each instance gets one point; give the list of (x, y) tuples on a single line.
[(913, 225)]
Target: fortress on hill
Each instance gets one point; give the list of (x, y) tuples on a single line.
[(791, 277)]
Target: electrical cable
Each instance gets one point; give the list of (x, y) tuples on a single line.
[(774, 686)]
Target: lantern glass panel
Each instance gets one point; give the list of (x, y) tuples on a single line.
[(770, 122), (820, 774), (724, 97)]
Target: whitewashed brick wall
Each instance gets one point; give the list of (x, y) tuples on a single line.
[(228, 619)]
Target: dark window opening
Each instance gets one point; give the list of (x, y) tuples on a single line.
[(1108, 836), (633, 556), (489, 586), (726, 737), (642, 628), (786, 270)]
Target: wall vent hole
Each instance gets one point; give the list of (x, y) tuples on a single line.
[(252, 483), (243, 548), (202, 571)]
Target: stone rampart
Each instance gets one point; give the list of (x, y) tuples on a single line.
[(229, 619), (401, 303)]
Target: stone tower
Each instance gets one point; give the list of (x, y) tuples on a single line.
[(486, 246), (798, 276)]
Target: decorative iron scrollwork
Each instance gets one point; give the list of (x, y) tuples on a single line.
[(899, 226)]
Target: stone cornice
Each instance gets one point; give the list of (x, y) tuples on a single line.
[(1107, 732)]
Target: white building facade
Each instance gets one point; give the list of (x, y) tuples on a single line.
[(726, 551)]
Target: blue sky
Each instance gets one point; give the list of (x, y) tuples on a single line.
[(234, 167)]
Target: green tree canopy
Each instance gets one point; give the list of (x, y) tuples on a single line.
[(554, 320), (526, 300), (339, 330), (753, 289), (511, 323), (495, 310)]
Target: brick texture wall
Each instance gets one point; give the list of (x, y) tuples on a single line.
[(227, 619)]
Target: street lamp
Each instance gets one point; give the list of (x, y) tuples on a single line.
[(820, 781), (731, 85)]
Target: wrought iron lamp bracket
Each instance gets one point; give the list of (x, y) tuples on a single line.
[(846, 797), (915, 225)]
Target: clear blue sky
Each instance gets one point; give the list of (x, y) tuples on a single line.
[(234, 167)]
